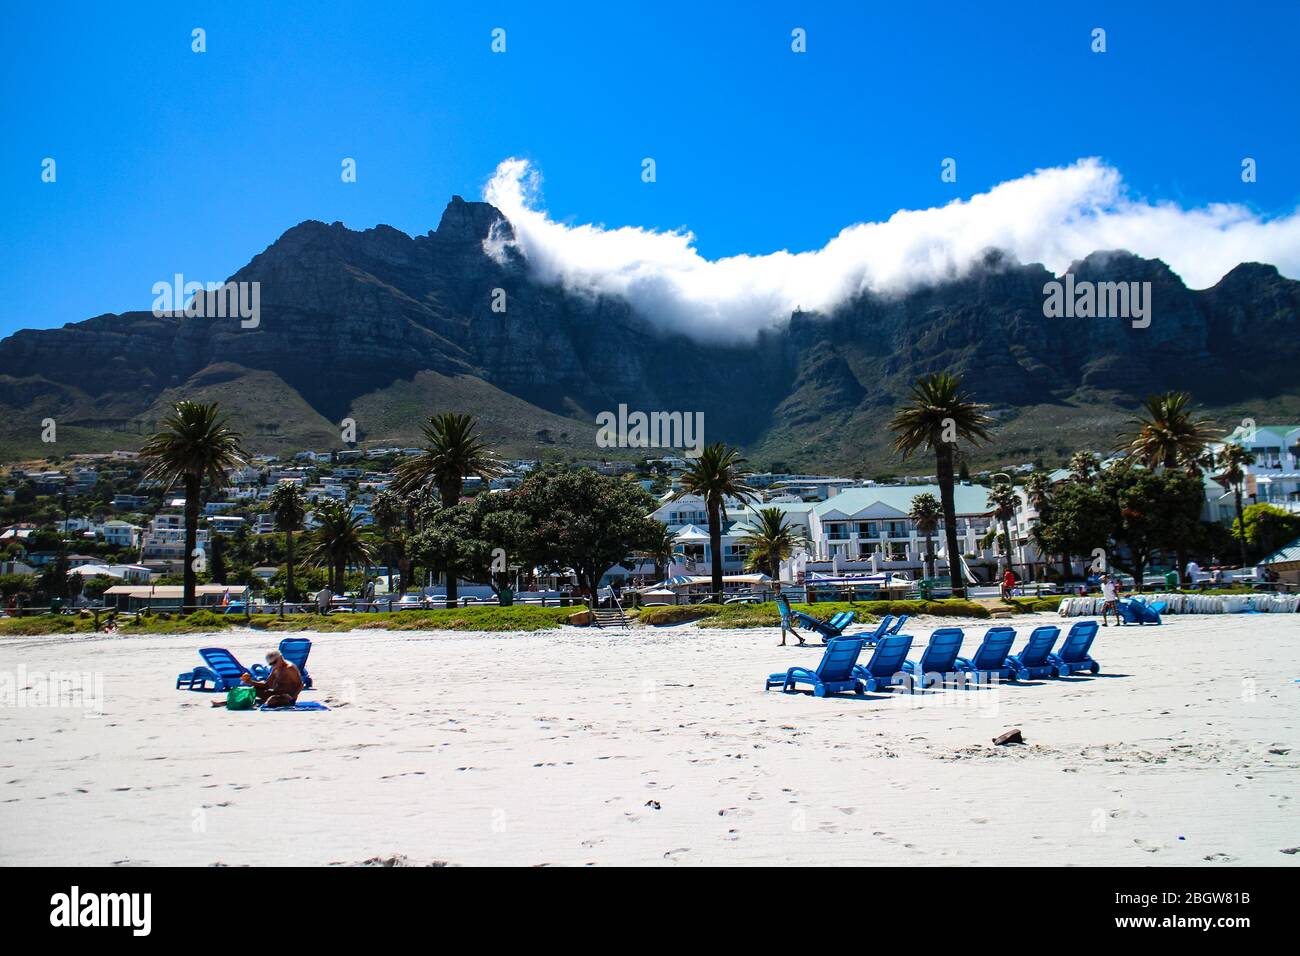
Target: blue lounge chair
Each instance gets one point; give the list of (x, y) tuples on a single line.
[(991, 657), (897, 625), (1073, 655), (882, 629), (939, 662), (833, 675), (1034, 658), (829, 630), (886, 663), (222, 670), (1136, 611), (295, 650)]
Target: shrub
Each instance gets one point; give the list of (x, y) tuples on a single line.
[(766, 615)]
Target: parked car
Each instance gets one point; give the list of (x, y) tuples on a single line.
[(411, 602)]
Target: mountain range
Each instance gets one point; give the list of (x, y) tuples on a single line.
[(385, 329)]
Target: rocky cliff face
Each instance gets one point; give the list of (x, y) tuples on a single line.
[(378, 320)]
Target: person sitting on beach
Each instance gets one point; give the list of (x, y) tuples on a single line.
[(281, 687), (1109, 599)]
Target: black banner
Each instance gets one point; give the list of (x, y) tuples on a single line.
[(220, 905)]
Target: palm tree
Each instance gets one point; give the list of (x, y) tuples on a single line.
[(388, 512), (1167, 434), (452, 453), (715, 477), (1038, 492), (1082, 465), (338, 542), (662, 552), (925, 514), (1232, 461), (936, 418), (771, 542), (194, 446), (1004, 499), (1038, 489), (288, 509)]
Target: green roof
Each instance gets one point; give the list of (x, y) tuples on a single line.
[(1290, 553), (969, 499)]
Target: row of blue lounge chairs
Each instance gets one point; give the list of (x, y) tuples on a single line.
[(222, 672), (840, 671)]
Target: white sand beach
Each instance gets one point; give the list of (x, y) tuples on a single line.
[(658, 746)]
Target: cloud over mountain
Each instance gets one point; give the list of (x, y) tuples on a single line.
[(1054, 216)]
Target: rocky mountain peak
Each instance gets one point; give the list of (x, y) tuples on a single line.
[(471, 221)]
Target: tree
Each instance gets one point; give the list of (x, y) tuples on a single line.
[(581, 521), (1038, 492), (1232, 461), (662, 551), (288, 509), (338, 543), (925, 514), (715, 477), (1082, 465), (452, 453), (1150, 511), (1078, 520), (388, 512), (1267, 527), (937, 417), (466, 540), (771, 541), (216, 559), (1167, 434), (76, 584), (1004, 499), (193, 447), (54, 577)]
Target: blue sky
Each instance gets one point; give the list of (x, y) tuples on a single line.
[(171, 161)]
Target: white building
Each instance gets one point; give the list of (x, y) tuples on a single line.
[(165, 538), (1273, 479), (120, 534), (848, 528)]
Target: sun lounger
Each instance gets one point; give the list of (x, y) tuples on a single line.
[(294, 650), (991, 656), (833, 675), (897, 625), (886, 665), (1073, 655), (939, 662), (882, 629), (222, 671), (1034, 658), (1137, 611), (829, 630)]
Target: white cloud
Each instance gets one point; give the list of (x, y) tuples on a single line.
[(1053, 216)]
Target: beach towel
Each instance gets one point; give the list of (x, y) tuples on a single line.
[(301, 705)]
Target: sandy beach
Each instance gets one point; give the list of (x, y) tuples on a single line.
[(656, 746)]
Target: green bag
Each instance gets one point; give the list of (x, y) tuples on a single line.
[(241, 698)]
